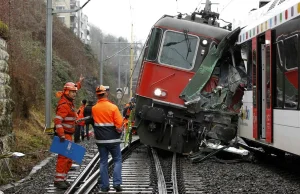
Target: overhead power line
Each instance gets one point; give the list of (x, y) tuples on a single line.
[(198, 5), (226, 6)]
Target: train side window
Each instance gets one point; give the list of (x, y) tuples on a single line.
[(291, 52), (246, 50), (291, 72), (268, 77), (254, 77), (179, 50), (154, 43), (280, 52), (279, 74)]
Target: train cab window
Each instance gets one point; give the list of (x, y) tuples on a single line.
[(154, 43), (179, 50)]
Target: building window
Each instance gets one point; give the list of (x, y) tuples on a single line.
[(60, 7), (62, 18)]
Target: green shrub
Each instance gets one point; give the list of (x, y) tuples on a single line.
[(4, 31)]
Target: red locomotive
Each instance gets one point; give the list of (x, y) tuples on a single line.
[(174, 51)]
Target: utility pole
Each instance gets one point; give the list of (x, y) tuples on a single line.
[(48, 64), (48, 74), (131, 62), (119, 69), (117, 53), (101, 61)]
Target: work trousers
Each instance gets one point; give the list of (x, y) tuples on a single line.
[(63, 165), (115, 150), (87, 128), (79, 131)]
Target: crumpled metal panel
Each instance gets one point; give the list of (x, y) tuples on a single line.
[(202, 76), (217, 88)]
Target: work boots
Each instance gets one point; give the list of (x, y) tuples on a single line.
[(67, 183), (61, 185), (118, 188)]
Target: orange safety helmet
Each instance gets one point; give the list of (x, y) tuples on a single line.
[(70, 86), (102, 89)]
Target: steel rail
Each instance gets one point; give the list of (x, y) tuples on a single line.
[(174, 174), (161, 183), (92, 180), (85, 174)]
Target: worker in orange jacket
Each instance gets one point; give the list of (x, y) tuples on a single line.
[(79, 129), (108, 124), (127, 111), (65, 127)]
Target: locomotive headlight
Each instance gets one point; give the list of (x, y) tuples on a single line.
[(204, 42), (163, 93), (157, 92)]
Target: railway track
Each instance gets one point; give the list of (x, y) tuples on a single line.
[(142, 172), (147, 170)]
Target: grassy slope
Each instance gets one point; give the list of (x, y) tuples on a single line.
[(26, 21)]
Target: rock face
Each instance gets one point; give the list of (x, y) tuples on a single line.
[(6, 103)]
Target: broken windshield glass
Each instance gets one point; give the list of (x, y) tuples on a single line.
[(179, 49)]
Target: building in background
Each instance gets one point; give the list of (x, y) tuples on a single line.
[(84, 29), (76, 21), (62, 5)]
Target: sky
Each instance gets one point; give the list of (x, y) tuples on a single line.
[(116, 16)]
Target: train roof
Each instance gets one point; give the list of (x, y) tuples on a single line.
[(275, 13), (193, 27)]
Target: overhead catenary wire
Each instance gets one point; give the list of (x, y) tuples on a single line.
[(127, 84), (226, 6), (199, 5)]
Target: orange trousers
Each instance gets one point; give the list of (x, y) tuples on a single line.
[(63, 165)]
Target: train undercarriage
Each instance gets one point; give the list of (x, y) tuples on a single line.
[(177, 130)]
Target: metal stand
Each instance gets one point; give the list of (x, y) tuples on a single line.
[(198, 159)]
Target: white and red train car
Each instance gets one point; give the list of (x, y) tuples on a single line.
[(271, 52)]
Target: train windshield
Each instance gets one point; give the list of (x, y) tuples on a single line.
[(179, 50)]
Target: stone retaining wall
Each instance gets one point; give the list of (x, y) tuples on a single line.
[(6, 103)]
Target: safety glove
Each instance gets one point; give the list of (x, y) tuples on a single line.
[(62, 138)]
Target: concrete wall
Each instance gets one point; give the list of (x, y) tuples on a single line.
[(6, 103)]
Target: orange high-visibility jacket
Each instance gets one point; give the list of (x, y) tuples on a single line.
[(126, 110), (80, 114), (107, 122), (65, 116)]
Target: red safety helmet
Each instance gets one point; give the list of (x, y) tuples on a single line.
[(102, 89), (70, 86)]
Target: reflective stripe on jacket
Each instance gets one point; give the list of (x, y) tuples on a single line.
[(107, 122)]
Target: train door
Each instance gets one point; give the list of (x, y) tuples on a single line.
[(262, 87)]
